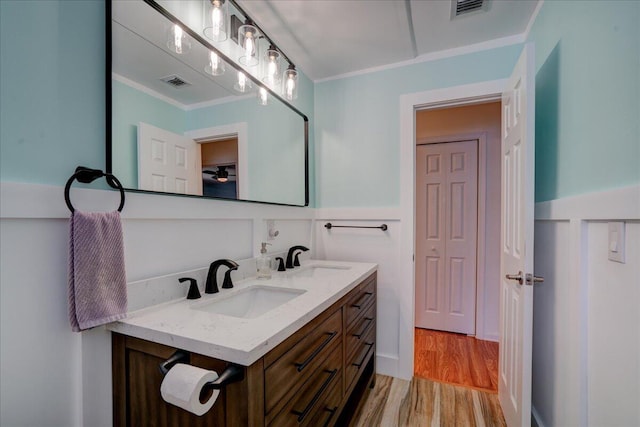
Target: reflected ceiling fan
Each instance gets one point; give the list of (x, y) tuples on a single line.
[(221, 175)]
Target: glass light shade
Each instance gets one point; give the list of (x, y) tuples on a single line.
[(290, 83), (271, 67), (263, 96), (248, 36), (215, 67), (216, 22), (243, 84), (177, 40)]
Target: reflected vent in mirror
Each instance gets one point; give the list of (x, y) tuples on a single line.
[(175, 81), (464, 7)]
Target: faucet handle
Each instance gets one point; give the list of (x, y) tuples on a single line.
[(227, 283), (281, 264), (194, 292), (296, 261)]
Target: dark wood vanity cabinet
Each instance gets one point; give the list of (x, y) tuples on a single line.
[(316, 377)]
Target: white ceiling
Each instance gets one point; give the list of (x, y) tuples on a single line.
[(327, 38)]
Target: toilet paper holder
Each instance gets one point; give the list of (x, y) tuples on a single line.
[(233, 373)]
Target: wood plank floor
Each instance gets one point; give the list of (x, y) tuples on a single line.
[(421, 402), (456, 359)]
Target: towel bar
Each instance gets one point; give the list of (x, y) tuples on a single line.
[(87, 176), (329, 226)]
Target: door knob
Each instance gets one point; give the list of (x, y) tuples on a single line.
[(517, 277), (530, 279)]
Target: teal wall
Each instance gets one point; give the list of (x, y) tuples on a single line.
[(275, 152), (130, 107), (357, 126), (587, 96), (52, 104)]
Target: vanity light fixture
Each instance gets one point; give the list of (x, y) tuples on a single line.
[(177, 40), (215, 20), (248, 36), (290, 83), (271, 66), (215, 67), (263, 96), (243, 84)]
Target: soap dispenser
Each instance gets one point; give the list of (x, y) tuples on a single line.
[(264, 263)]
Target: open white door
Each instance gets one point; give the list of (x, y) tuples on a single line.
[(516, 264), (168, 162)]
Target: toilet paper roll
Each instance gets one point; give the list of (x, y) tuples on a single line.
[(182, 386)]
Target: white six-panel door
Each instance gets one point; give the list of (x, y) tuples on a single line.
[(516, 293), (446, 236), (168, 162)]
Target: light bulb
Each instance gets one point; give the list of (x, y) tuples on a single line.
[(242, 84), (216, 65), (271, 67), (290, 84), (263, 96), (177, 38), (178, 41), (249, 46), (248, 40), (215, 20)]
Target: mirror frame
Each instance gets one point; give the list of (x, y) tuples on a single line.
[(199, 39)]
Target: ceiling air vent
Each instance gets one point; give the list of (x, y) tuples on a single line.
[(175, 81), (464, 7)]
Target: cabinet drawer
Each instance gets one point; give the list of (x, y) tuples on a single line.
[(361, 300), (358, 359), (358, 331), (313, 396), (327, 412), (287, 374)]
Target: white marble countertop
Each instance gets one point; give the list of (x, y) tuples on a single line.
[(240, 340)]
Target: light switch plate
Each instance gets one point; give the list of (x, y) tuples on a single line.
[(616, 246)]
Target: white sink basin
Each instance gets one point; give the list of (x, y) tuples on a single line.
[(250, 302), (319, 271)]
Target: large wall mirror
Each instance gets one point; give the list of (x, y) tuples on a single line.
[(188, 117)]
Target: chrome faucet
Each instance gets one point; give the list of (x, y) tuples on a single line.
[(211, 285), (290, 261)]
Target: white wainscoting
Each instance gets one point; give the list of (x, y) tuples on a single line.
[(54, 377), (586, 350)]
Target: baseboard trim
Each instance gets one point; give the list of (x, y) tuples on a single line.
[(387, 364)]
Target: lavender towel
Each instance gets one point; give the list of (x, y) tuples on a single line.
[(97, 283)]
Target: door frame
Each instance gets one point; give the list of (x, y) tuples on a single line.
[(238, 130), (481, 216), (409, 103)]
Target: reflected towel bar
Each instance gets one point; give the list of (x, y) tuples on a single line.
[(329, 226)]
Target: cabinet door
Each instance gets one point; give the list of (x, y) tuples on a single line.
[(137, 379)]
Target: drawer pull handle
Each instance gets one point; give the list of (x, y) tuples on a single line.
[(303, 414), (360, 303), (331, 412), (357, 365), (312, 356), (365, 329)]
